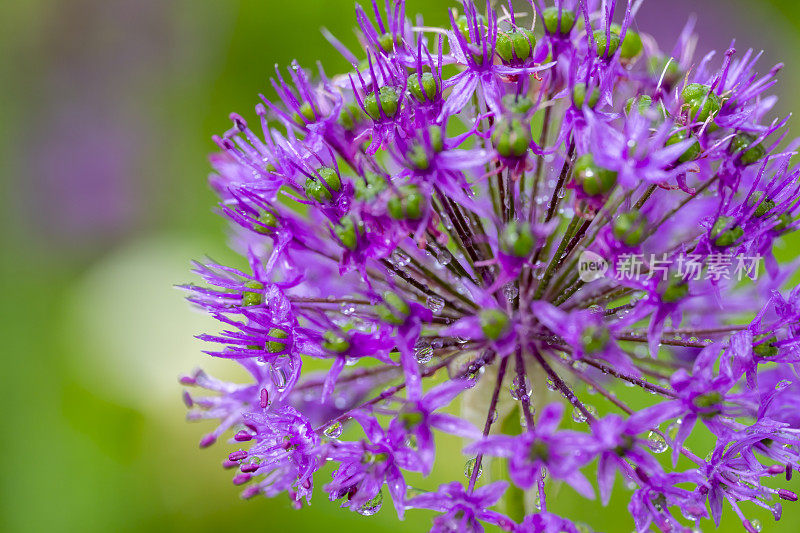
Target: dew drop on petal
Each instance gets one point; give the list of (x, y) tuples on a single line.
[(656, 442), (755, 524), (423, 352), (435, 304), (510, 291), (372, 506), (469, 467), (334, 431)]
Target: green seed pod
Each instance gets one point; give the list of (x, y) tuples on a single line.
[(594, 179), (305, 115), (631, 46), (552, 24), (519, 105), (517, 44), (675, 290), (700, 101), (389, 102), (335, 342), (276, 346), (436, 139), (375, 184), (579, 96), (494, 323), (251, 297), (668, 67), (630, 228), (346, 232), (691, 153), (643, 104), (517, 239), (511, 138), (744, 146), (709, 403), (783, 222), (320, 187), (387, 42), (463, 26), (267, 223), (423, 92), (766, 349), (418, 157), (594, 339), (407, 204), (394, 310), (504, 47), (350, 115), (764, 205), (722, 237), (606, 45)]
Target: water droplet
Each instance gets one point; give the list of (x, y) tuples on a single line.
[(656, 442), (371, 506), (435, 304), (755, 523), (550, 385), (580, 417), (334, 431), (510, 291), (469, 467), (278, 378), (400, 258), (520, 388), (443, 256), (347, 309), (782, 384), (423, 351), (672, 429)]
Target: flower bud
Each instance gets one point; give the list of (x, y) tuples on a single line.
[(511, 138), (436, 138), (558, 21), (372, 185), (593, 179), (517, 239), (700, 101), (494, 323), (407, 204), (630, 228), (579, 96), (252, 297), (743, 145), (387, 41), (385, 105), (424, 91), (350, 115)]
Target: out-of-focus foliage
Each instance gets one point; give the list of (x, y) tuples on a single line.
[(106, 114)]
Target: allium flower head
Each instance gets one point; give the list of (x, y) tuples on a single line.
[(485, 227)]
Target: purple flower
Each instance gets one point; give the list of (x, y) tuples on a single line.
[(548, 208)]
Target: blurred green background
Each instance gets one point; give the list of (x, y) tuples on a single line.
[(106, 113)]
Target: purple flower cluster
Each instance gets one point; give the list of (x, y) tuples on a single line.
[(414, 232)]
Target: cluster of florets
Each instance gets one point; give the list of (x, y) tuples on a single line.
[(417, 232)]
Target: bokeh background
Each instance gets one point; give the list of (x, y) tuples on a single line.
[(106, 112)]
